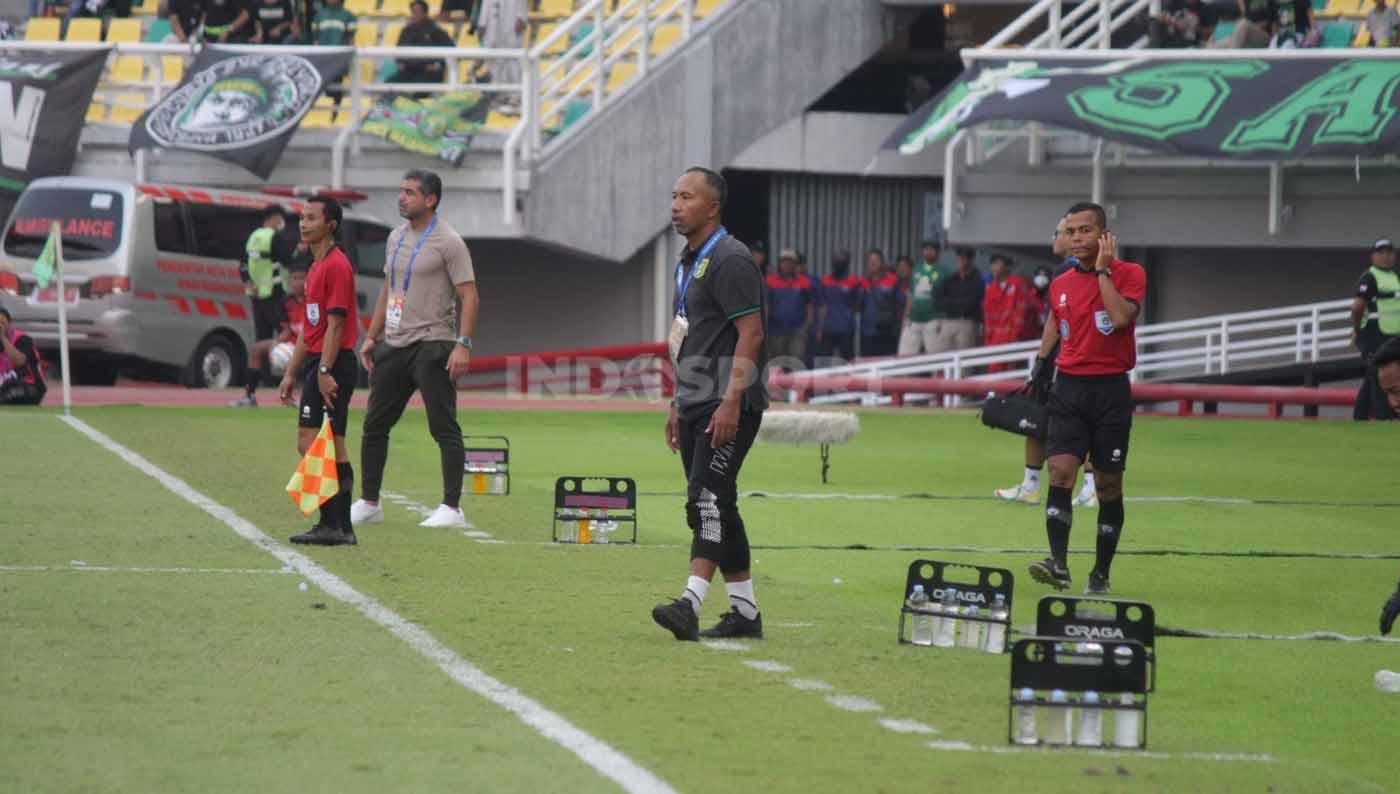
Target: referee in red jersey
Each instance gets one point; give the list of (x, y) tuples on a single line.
[(1094, 309), (326, 347)]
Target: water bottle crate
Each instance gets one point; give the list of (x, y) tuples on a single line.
[(486, 465), (1089, 620), (595, 510), (1057, 676), (969, 605)]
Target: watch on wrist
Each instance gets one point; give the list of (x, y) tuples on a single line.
[(465, 341), (1104, 272), (323, 369)]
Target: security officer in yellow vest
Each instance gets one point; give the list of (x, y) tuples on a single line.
[(1375, 318), (261, 272)]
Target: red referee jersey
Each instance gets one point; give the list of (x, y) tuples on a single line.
[(1089, 344), (330, 289)]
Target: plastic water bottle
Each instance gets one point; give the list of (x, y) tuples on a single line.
[(996, 632), (1025, 717), (948, 629), (921, 627), (585, 527), (972, 629), (603, 527), (1090, 721), (1059, 719), (1125, 726), (1092, 653)]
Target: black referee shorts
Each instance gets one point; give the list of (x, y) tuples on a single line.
[(312, 411), (1091, 415)]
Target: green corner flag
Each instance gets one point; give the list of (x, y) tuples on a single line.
[(47, 262)]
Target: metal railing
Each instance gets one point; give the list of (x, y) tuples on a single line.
[(1091, 24), (1216, 345)]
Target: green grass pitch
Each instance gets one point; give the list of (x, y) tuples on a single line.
[(194, 664)]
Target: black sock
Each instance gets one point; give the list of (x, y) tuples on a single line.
[(1110, 530), (346, 473), (252, 385), (1059, 516)]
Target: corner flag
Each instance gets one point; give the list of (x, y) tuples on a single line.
[(315, 479)]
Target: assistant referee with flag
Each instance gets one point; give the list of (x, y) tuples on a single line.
[(1094, 309)]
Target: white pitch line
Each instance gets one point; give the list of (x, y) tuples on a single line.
[(966, 747), (418, 507), (905, 726), (130, 569), (725, 645), (767, 666), (602, 757), (853, 703), (810, 685)]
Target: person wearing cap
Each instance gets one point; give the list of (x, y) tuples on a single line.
[(789, 311), (1375, 318), (959, 306)]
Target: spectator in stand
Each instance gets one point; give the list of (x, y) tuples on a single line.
[(959, 306), (275, 22), (759, 249), (839, 296), (1381, 22), (1258, 19), (789, 298), (21, 368), (227, 21), (184, 17), (904, 271), (1183, 24), (884, 308), (919, 332), (1005, 304), (420, 32), (502, 25), (1038, 306), (333, 26)]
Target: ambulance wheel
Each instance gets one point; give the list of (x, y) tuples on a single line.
[(216, 364)]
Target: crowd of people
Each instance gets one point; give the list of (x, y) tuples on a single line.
[(900, 309), (1261, 24)]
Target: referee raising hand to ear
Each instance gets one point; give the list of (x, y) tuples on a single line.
[(1094, 309)]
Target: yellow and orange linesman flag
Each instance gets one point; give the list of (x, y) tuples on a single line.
[(315, 479)]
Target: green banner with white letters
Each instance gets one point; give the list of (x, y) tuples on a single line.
[(1256, 108)]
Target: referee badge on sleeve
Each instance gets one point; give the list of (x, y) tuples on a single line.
[(1103, 322), (313, 313)]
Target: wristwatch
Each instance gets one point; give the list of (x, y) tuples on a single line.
[(465, 341), (323, 369), (1104, 272)]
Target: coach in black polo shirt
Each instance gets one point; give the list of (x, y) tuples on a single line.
[(721, 393), (960, 306)]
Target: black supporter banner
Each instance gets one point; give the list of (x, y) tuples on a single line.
[(44, 95), (239, 106), (1268, 108)]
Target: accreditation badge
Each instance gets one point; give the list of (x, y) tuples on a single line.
[(393, 313), (680, 326)]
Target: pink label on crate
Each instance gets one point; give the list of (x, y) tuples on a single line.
[(585, 500), (485, 455)]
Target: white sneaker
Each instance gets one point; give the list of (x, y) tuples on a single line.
[(445, 516), (1019, 494), (362, 512), (1087, 499)]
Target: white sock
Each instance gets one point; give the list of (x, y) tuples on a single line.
[(1088, 482), (1032, 481), (695, 591), (741, 598)]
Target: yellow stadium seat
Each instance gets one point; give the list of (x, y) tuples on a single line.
[(543, 31), (84, 29), (466, 70), (554, 9), (96, 113), (663, 38), (468, 39), (172, 68), (321, 115), (622, 72), (43, 29), (368, 68), (500, 122), (127, 108), (391, 34), (128, 69), (360, 8), (366, 33), (627, 40), (394, 8), (124, 31), (1342, 8), (703, 7)]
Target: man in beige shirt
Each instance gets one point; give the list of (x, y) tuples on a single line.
[(419, 340)]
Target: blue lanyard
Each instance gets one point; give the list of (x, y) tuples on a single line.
[(418, 246), (684, 277)]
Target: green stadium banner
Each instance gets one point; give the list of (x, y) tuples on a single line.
[(239, 106), (1258, 108), (442, 126), (44, 95)]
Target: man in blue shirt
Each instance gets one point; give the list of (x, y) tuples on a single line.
[(884, 307), (789, 312), (839, 296)]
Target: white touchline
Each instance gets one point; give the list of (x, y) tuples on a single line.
[(905, 726), (853, 703), (809, 685), (417, 507), (767, 666), (725, 645), (608, 761), (966, 747), (129, 569)]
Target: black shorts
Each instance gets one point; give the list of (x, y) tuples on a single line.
[(312, 411), (268, 315), (1091, 415)]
